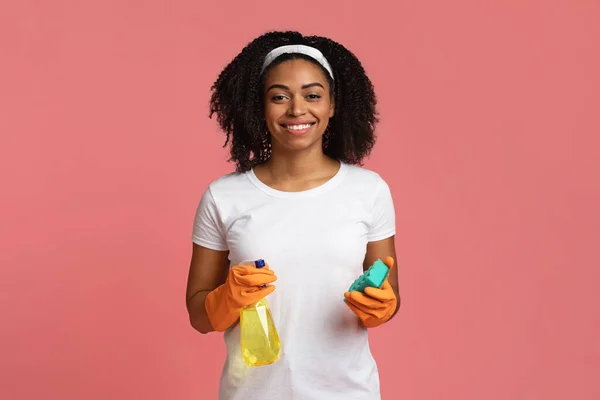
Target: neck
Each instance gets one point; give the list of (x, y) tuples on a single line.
[(297, 166)]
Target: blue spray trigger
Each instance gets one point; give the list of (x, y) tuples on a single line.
[(259, 264)]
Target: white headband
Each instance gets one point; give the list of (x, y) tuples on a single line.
[(298, 49)]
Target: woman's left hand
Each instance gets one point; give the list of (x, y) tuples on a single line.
[(375, 306)]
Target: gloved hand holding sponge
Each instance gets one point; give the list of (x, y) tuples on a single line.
[(371, 297)]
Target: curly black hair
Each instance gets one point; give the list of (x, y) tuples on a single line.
[(237, 100)]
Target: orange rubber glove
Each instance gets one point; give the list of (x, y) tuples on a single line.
[(375, 306), (243, 286)]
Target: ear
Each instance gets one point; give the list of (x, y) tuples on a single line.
[(331, 108)]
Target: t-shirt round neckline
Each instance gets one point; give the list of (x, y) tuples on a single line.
[(330, 184)]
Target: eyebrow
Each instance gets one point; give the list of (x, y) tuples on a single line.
[(308, 85)]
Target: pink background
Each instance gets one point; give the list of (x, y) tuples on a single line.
[(489, 140)]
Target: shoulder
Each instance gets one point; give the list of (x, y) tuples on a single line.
[(227, 184), (365, 177)]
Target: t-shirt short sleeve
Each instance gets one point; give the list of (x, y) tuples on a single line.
[(383, 224), (208, 227)]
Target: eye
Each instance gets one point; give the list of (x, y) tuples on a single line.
[(313, 96), (278, 97)]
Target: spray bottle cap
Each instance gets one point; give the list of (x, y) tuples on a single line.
[(259, 263)]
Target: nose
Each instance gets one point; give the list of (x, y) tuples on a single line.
[(297, 106)]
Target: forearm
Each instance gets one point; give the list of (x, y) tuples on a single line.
[(197, 312)]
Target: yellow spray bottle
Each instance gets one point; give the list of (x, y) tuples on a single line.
[(259, 338)]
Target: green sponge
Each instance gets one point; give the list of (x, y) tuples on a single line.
[(373, 277)]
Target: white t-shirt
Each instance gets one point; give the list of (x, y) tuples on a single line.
[(315, 242)]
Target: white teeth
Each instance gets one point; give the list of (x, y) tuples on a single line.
[(298, 127)]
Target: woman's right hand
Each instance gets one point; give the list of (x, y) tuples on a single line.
[(248, 284), (243, 286)]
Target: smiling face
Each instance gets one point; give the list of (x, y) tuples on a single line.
[(298, 105)]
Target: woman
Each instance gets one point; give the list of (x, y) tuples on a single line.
[(299, 115)]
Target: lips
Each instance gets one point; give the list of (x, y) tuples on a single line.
[(298, 128)]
